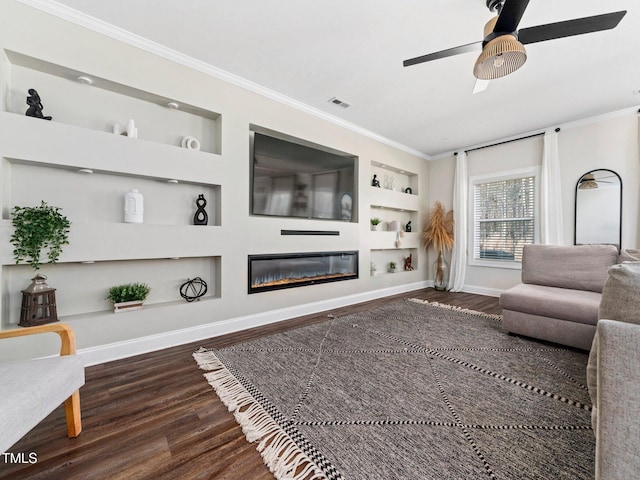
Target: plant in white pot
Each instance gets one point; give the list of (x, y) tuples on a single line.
[(128, 297), (376, 223)]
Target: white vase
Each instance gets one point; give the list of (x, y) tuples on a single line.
[(133, 206), (132, 131)]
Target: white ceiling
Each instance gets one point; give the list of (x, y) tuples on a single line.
[(311, 51)]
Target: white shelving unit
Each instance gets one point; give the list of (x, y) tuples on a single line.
[(396, 199), (77, 163)]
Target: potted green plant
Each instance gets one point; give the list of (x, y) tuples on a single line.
[(393, 267), (375, 223), (38, 230), (128, 297)]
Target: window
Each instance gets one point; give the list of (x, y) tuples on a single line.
[(504, 217)]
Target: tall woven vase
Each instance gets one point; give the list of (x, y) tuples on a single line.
[(440, 271)]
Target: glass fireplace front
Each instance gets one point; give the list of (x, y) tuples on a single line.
[(277, 271)]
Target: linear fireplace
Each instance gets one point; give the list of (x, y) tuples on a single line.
[(276, 271)]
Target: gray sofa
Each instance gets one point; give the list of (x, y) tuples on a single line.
[(32, 389), (612, 376), (560, 293)]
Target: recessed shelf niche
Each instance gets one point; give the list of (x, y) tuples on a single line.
[(98, 196), (82, 288), (103, 103)]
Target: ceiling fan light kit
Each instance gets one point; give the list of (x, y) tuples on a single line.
[(501, 56)]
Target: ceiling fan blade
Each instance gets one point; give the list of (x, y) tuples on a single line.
[(470, 47), (569, 28), (480, 86), (510, 15)]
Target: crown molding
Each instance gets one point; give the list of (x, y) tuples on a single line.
[(69, 14), (564, 126)]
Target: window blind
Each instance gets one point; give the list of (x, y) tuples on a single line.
[(504, 218)]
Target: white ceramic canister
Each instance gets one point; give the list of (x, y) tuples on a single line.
[(394, 226), (133, 206)]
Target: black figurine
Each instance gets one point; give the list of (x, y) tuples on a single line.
[(407, 227), (200, 217), (35, 105), (375, 182)]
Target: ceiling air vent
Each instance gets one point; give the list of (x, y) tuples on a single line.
[(340, 103)]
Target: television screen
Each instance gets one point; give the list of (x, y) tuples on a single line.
[(290, 179)]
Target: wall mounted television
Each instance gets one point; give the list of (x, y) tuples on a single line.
[(294, 178)]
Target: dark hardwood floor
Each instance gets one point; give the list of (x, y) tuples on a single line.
[(154, 416)]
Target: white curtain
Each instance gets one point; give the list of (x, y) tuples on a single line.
[(551, 219), (460, 215)]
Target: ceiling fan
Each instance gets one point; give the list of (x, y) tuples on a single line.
[(503, 49)]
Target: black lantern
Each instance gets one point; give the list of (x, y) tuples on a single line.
[(38, 303)]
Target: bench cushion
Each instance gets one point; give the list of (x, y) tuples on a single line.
[(578, 306), (31, 390)]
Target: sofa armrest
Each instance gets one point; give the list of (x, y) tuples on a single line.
[(618, 401), (67, 337)]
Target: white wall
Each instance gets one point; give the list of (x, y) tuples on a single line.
[(85, 114), (606, 142)]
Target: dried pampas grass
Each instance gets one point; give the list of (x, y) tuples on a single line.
[(438, 230)]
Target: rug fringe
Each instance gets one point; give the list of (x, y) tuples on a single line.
[(280, 453), (457, 309)]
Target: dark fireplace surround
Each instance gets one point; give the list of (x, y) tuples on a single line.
[(288, 270)]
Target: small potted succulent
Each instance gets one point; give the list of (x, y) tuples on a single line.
[(393, 267), (128, 297), (376, 223)]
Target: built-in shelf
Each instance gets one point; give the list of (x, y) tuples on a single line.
[(382, 257), (98, 195), (394, 179), (103, 103), (82, 288), (394, 200)]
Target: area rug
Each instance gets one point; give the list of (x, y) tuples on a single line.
[(411, 390)]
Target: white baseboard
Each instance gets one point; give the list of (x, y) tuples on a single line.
[(489, 292), (137, 346)]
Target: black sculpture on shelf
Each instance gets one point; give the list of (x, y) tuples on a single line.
[(200, 217), (193, 289), (375, 182), (407, 227), (35, 105)]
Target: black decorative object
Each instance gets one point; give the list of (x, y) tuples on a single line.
[(375, 182), (408, 190), (38, 303), (35, 105), (407, 227), (200, 217), (192, 290)]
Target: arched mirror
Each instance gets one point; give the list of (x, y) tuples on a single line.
[(599, 208)]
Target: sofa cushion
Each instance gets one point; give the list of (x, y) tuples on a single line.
[(573, 305), (629, 255), (32, 389), (580, 267), (621, 302)]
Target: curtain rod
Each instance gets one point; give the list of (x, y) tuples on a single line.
[(506, 141)]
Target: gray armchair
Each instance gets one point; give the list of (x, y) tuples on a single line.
[(32, 389), (612, 375)]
